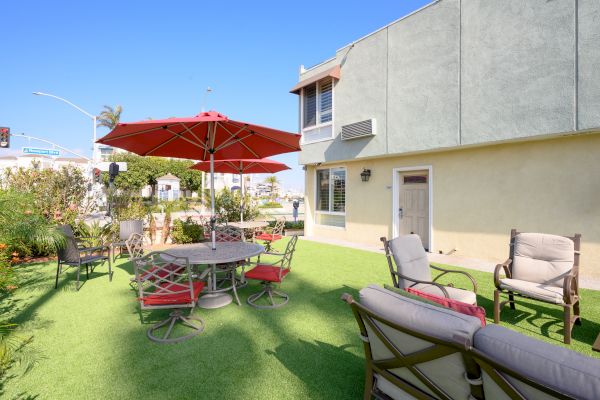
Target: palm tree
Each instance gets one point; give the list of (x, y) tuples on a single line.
[(272, 180), (110, 117)]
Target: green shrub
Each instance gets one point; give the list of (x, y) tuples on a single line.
[(289, 224), (271, 204), (187, 231), (227, 205), (24, 229)]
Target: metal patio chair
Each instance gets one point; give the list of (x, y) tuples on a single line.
[(271, 274), (166, 282), (271, 235), (135, 247), (414, 271), (225, 234), (126, 228), (75, 253), (545, 268)]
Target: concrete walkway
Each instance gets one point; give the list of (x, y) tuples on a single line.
[(459, 261)]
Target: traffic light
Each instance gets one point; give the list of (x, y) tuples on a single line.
[(4, 137)]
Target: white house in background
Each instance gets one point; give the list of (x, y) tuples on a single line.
[(8, 162), (34, 161), (78, 162), (41, 162), (168, 187)]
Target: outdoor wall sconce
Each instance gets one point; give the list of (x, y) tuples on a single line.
[(365, 175)]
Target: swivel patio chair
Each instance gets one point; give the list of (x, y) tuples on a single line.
[(126, 228), (414, 271), (271, 235), (545, 268), (229, 234), (74, 253), (272, 274), (135, 248), (161, 286)]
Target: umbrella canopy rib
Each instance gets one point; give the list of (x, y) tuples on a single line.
[(229, 142)]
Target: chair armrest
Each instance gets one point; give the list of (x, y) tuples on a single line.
[(440, 286), (90, 250), (570, 288), (452, 271), (506, 265)]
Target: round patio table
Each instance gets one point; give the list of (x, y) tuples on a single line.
[(249, 224), (226, 252)]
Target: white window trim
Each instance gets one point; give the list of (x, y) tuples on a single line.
[(317, 125), (330, 194)]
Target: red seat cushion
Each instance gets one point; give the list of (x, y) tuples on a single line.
[(166, 298), (458, 306), (266, 273), (268, 237)]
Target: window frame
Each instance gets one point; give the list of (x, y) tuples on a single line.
[(318, 125), (331, 170)]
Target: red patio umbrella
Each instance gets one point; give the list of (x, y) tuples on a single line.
[(206, 136), (247, 166)]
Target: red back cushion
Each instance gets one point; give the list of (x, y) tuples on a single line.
[(458, 306)]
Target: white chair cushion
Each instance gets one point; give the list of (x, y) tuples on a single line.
[(565, 370), (447, 372), (547, 293), (410, 258), (542, 258), (462, 295)]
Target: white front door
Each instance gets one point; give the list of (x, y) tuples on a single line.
[(413, 210)]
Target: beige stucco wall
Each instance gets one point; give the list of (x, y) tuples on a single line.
[(479, 194)]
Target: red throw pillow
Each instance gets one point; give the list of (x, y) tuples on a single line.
[(458, 306)]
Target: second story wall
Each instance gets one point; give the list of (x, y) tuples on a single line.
[(467, 72)]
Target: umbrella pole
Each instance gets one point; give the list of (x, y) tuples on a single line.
[(213, 217), (242, 198)]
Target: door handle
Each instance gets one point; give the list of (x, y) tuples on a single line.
[(401, 212)]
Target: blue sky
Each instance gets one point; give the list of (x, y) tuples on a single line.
[(157, 58)]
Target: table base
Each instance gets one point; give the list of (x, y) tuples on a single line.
[(214, 300)]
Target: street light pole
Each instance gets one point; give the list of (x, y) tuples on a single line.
[(93, 117)]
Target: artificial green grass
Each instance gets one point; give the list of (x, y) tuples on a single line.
[(92, 344)]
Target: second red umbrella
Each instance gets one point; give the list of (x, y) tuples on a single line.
[(244, 166)]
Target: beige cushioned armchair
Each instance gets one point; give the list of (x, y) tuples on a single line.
[(541, 267), (414, 271)]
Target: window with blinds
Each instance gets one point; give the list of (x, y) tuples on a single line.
[(338, 188), (331, 197), (310, 106), (325, 102), (317, 110), (323, 190)]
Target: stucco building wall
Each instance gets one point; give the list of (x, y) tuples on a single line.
[(479, 194)]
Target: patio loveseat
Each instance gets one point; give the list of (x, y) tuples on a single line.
[(416, 350)]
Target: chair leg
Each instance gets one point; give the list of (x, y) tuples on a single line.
[(57, 272), (78, 271), (496, 306), (368, 394), (87, 272), (110, 274), (269, 292), (195, 324), (511, 298), (233, 285), (577, 313), (568, 324)]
